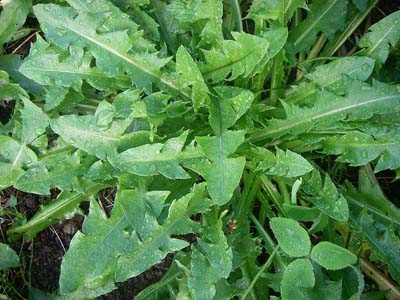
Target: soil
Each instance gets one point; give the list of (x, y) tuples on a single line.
[(41, 258)]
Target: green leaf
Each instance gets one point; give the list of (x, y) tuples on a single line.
[(289, 164), (12, 18), (13, 156), (293, 239), (211, 261), (291, 6), (48, 65), (266, 10), (297, 278), (83, 132), (113, 50), (56, 171), (383, 242), (221, 172), (9, 91), (154, 159), (326, 197), (360, 102), (381, 36), (8, 257), (358, 149), (208, 13), (238, 57), (326, 16), (331, 256), (34, 121), (65, 206), (190, 76), (114, 249)]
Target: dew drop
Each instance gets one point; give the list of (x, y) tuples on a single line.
[(396, 21), (364, 154), (365, 67)]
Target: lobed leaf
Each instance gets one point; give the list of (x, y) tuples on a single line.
[(358, 149), (326, 16)]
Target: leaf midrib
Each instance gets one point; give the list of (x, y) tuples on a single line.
[(265, 133)]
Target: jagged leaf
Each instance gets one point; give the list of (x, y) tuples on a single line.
[(331, 256), (65, 206), (326, 16), (381, 36), (211, 261), (358, 149), (154, 159), (361, 101), (55, 171), (289, 164), (114, 249), (383, 242), (291, 6), (83, 132), (13, 156), (34, 121), (48, 65), (206, 12), (292, 238), (190, 76), (114, 50), (326, 197), (238, 57)]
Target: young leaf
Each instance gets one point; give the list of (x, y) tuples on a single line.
[(211, 261), (129, 242), (332, 257), (292, 238), (382, 35), (358, 149), (326, 16), (8, 257), (298, 277)]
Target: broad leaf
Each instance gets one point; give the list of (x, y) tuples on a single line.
[(298, 277), (289, 164), (8, 257), (13, 16), (292, 238), (332, 257)]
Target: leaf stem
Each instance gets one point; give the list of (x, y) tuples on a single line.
[(262, 270), (237, 13)]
